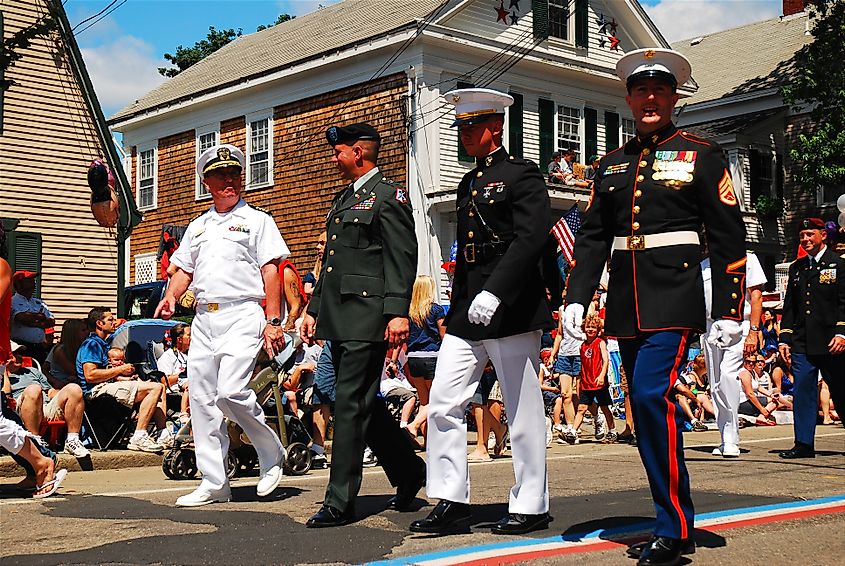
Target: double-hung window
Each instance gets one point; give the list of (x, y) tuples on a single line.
[(146, 187), (629, 130), (259, 150), (569, 130), (207, 137)]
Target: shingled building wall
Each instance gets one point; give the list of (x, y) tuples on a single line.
[(304, 179)]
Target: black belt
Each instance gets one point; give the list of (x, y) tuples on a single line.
[(474, 253)]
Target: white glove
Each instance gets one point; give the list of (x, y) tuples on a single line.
[(573, 318), (725, 333), (483, 307)]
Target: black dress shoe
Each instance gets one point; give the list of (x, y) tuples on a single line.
[(800, 450), (636, 550), (446, 516), (519, 524), (662, 551), (405, 495), (328, 516)]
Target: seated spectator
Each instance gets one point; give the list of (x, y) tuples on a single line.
[(683, 395), (783, 381), (173, 363), (752, 403), (592, 168), (485, 421), (395, 387), (60, 365), (827, 410), (556, 173), (96, 378), (30, 316), (696, 380), (297, 385), (552, 399), (37, 402), (569, 176), (594, 387)]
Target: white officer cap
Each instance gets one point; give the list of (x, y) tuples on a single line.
[(474, 105), (654, 62), (222, 155)]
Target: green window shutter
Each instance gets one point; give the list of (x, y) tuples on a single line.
[(25, 253), (540, 10), (515, 127), (591, 135), (546, 114), (462, 153), (582, 22), (611, 131)]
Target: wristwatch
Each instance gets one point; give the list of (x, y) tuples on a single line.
[(274, 321), (755, 328)]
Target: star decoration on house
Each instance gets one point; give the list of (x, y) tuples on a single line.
[(514, 18), (614, 43), (602, 23), (514, 4), (613, 25), (502, 14), (602, 41)]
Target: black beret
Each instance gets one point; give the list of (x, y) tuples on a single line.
[(351, 133)]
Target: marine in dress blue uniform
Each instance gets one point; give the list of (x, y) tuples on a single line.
[(812, 332), (649, 200), (497, 312)]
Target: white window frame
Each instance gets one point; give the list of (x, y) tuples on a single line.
[(623, 136), (140, 151), (250, 119), (148, 258), (567, 5), (579, 151), (820, 198), (201, 193)]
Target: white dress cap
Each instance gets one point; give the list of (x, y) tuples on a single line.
[(477, 104), (217, 156), (654, 62)]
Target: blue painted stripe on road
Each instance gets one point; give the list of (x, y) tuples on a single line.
[(599, 533)]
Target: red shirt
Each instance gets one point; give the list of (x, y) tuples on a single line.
[(591, 364)]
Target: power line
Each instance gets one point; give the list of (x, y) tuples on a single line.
[(89, 26), (88, 19)]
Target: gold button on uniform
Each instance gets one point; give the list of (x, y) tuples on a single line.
[(329, 269), (470, 214), (479, 174), (611, 188), (808, 312), (638, 193), (733, 311), (733, 295), (331, 252), (686, 265), (646, 151), (640, 178), (337, 220), (355, 220), (635, 225), (643, 163), (364, 293), (334, 237), (736, 279), (474, 193), (492, 201), (470, 234), (636, 210)]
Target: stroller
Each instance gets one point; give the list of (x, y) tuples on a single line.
[(180, 462)]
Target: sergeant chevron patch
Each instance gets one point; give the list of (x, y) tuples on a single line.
[(726, 190)]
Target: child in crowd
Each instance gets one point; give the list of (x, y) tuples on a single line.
[(117, 357), (594, 389), (173, 363), (297, 385), (684, 395), (550, 386), (696, 382)]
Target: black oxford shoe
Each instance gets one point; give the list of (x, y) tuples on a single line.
[(405, 495), (636, 550), (328, 516), (800, 450), (519, 524), (447, 516), (662, 551)]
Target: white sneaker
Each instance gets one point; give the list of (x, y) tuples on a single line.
[(75, 448), (717, 451), (269, 480), (165, 438), (370, 459), (491, 440), (144, 444), (601, 426), (202, 496), (570, 436)]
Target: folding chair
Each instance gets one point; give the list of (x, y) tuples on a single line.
[(107, 421)]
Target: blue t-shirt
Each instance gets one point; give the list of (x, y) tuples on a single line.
[(426, 338), (93, 350)]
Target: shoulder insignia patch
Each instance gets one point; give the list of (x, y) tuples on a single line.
[(401, 195), (726, 190)]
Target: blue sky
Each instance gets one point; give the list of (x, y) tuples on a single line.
[(124, 49)]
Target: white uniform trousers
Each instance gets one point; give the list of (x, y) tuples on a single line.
[(12, 435), (460, 364), (224, 346), (723, 370)]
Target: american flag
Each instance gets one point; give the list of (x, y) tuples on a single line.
[(565, 229)]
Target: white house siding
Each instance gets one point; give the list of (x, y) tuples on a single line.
[(47, 143)]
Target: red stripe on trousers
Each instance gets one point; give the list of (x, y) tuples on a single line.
[(673, 435)]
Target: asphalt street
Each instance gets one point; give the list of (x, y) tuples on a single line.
[(758, 509)]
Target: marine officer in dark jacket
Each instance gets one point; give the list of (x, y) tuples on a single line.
[(361, 304), (649, 200), (812, 332), (498, 312)]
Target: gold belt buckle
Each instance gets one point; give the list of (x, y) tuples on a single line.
[(469, 253), (635, 242), (212, 307)]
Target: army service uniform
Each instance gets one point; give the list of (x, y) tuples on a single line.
[(503, 221), (813, 313), (650, 199), (368, 271)]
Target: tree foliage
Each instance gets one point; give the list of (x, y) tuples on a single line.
[(819, 83), (188, 56), (280, 20)]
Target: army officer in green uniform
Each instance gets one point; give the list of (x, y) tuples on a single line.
[(361, 304)]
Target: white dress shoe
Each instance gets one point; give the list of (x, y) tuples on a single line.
[(730, 451), (202, 496), (269, 480), (717, 451)]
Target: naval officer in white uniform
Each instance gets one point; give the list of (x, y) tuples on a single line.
[(230, 256)]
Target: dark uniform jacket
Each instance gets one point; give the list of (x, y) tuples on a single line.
[(369, 265), (670, 181), (510, 196), (814, 305)]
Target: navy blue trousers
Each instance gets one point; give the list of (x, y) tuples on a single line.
[(805, 408), (652, 361)]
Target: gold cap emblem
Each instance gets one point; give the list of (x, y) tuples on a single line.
[(456, 98), (649, 54), (224, 153)]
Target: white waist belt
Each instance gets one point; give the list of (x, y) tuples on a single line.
[(648, 241)]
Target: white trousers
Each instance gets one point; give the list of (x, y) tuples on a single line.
[(224, 346), (723, 370), (12, 435), (460, 364)]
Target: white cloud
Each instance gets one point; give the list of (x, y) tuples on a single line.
[(122, 71), (684, 19)]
